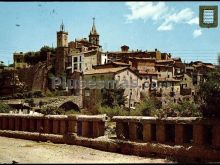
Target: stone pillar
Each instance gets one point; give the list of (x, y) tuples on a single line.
[(160, 133), (12, 123), (119, 130), (72, 124), (46, 125), (179, 133), (62, 126), (216, 136), (98, 128), (39, 125), (24, 124), (147, 132), (17, 123), (198, 134), (32, 125), (132, 131), (85, 128), (55, 126)]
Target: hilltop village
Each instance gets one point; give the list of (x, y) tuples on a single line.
[(155, 73)]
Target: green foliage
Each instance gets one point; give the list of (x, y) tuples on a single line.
[(4, 108), (51, 110), (147, 107), (113, 97), (182, 109), (210, 94), (30, 102), (115, 111), (35, 57)]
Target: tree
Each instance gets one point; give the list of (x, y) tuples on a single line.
[(113, 97), (38, 56), (210, 94)]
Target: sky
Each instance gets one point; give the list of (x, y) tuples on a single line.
[(171, 27)]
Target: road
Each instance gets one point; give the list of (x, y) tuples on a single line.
[(26, 151)]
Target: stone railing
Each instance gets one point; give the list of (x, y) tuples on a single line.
[(82, 125), (170, 130)]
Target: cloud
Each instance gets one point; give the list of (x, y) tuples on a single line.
[(197, 33), (145, 10), (159, 13), (165, 27), (194, 21)]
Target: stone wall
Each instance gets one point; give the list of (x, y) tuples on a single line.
[(35, 77)]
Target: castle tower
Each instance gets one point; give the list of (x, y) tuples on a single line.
[(61, 51), (94, 36)]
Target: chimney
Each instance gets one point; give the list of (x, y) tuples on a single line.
[(124, 48)]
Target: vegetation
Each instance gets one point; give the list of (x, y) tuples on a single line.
[(115, 111), (113, 97), (210, 95), (35, 57), (146, 107), (4, 108), (51, 110)]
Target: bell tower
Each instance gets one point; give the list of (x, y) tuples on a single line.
[(61, 51), (62, 37), (94, 36)]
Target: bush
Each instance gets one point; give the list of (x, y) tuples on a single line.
[(51, 110), (4, 108), (182, 109), (38, 94), (146, 107), (110, 112), (30, 102), (209, 93)]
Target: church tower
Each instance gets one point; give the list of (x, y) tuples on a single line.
[(62, 40), (94, 36), (61, 51)]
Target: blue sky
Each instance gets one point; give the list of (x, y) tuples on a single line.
[(171, 27)]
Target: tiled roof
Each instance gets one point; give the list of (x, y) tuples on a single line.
[(104, 70), (148, 73), (168, 79)]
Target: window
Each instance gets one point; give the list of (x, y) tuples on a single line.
[(87, 92), (159, 69), (93, 78), (102, 77), (80, 66), (75, 67), (75, 59)]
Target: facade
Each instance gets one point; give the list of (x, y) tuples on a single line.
[(113, 78), (19, 61)]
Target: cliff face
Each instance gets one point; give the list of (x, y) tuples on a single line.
[(35, 77)]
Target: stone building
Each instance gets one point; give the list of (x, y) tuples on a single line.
[(19, 60), (78, 55), (111, 78)]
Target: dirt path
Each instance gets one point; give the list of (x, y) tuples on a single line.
[(26, 151)]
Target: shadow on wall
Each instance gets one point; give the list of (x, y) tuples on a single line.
[(69, 105)]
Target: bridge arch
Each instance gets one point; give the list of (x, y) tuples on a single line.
[(70, 105)]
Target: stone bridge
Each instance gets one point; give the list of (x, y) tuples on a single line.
[(66, 102)]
